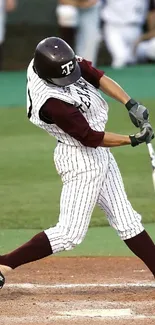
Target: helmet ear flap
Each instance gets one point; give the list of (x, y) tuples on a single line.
[(50, 81)]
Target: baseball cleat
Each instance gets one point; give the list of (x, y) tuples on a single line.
[(2, 280)]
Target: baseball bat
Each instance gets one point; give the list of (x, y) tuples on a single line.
[(152, 158)]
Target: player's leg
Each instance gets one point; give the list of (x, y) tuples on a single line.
[(67, 17), (88, 32), (82, 181), (78, 198), (82, 173), (121, 215), (118, 209)]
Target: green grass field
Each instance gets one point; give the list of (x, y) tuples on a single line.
[(99, 241), (29, 186)]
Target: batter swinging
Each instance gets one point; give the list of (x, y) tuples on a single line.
[(63, 99)]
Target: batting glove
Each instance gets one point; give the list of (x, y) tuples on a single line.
[(146, 134), (138, 113)]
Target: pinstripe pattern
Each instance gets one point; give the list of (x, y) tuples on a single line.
[(90, 176), (81, 94), (113, 200), (81, 186)]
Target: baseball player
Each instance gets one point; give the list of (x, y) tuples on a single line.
[(63, 98), (5, 6), (123, 25)]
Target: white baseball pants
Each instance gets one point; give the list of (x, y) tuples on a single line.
[(90, 176)]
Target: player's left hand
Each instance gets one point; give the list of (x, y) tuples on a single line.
[(146, 134), (138, 113), (149, 128)]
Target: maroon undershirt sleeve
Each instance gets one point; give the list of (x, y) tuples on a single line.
[(71, 121), (91, 74)]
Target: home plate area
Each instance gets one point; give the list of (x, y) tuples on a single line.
[(79, 291)]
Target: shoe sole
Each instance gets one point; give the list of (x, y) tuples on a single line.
[(2, 280)]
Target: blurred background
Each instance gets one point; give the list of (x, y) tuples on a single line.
[(118, 36), (107, 32)]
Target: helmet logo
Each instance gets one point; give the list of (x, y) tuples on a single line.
[(67, 68)]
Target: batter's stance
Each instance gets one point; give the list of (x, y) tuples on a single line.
[(63, 99)]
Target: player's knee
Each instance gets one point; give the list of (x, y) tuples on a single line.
[(130, 231), (61, 238), (129, 225), (71, 241), (67, 15)]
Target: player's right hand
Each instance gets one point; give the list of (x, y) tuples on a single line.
[(146, 134)]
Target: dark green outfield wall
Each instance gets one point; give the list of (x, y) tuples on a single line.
[(138, 81)]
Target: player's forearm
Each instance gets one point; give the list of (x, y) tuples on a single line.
[(113, 89), (114, 140)]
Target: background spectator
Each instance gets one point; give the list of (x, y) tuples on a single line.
[(145, 45), (123, 25), (79, 26), (5, 6)]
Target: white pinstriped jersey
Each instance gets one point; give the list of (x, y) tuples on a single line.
[(93, 107)]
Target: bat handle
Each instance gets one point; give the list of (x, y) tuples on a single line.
[(150, 149)]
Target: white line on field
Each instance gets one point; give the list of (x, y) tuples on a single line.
[(98, 313), (32, 286), (36, 319)]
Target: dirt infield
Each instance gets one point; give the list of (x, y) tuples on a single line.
[(64, 291)]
